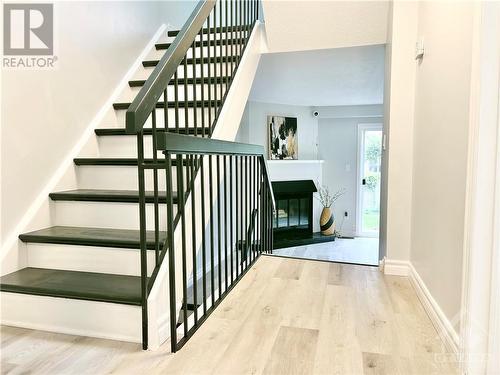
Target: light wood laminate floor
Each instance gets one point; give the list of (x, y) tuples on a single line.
[(286, 316)]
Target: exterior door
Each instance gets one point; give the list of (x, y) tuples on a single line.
[(369, 167)]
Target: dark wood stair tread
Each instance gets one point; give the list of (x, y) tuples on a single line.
[(100, 195), (190, 61), (148, 131), (89, 286), (180, 81), (118, 161), (180, 104), (198, 43), (84, 236)]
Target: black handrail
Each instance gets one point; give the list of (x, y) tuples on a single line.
[(148, 96), (185, 144)]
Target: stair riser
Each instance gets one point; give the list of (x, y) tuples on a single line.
[(157, 54), (130, 94), (75, 317), (118, 177), (105, 215), (87, 258)]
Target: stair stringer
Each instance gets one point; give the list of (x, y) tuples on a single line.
[(227, 127)]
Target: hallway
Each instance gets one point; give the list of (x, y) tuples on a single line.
[(285, 316)]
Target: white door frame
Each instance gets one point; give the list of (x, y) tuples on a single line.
[(480, 323), (361, 128)]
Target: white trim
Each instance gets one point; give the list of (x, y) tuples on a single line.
[(396, 267), (67, 162), (480, 327), (359, 156), (438, 318)]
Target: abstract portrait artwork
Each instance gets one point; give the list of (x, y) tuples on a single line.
[(283, 143)]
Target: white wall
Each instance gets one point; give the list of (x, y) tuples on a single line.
[(331, 77), (307, 25), (338, 147), (254, 128), (398, 128), (440, 149), (44, 113)]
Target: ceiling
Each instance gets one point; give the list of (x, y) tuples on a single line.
[(340, 76), (319, 24)]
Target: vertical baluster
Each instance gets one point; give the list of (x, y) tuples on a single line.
[(254, 205), (142, 235), (219, 232), (245, 15), (176, 100), (181, 208), (242, 213), (186, 104), (202, 75), (195, 104), (246, 211), (231, 243), (203, 237), (261, 214), (209, 75), (211, 184), (216, 73), (233, 45), (237, 214), (226, 38), (271, 234), (240, 26), (250, 213), (225, 222), (266, 215), (171, 253), (155, 190), (238, 30), (193, 238), (221, 41), (165, 110)]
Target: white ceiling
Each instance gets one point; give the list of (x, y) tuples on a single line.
[(318, 24), (340, 76)]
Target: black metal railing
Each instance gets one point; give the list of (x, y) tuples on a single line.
[(185, 94), (227, 209)]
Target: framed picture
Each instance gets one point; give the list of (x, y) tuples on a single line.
[(283, 143)]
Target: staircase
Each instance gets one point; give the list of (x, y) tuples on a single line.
[(154, 211)]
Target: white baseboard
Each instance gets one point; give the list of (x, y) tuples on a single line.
[(438, 318), (396, 267), (441, 323)]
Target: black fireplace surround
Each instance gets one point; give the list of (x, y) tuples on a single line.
[(294, 209)]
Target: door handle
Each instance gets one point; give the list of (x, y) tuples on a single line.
[(363, 181)]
